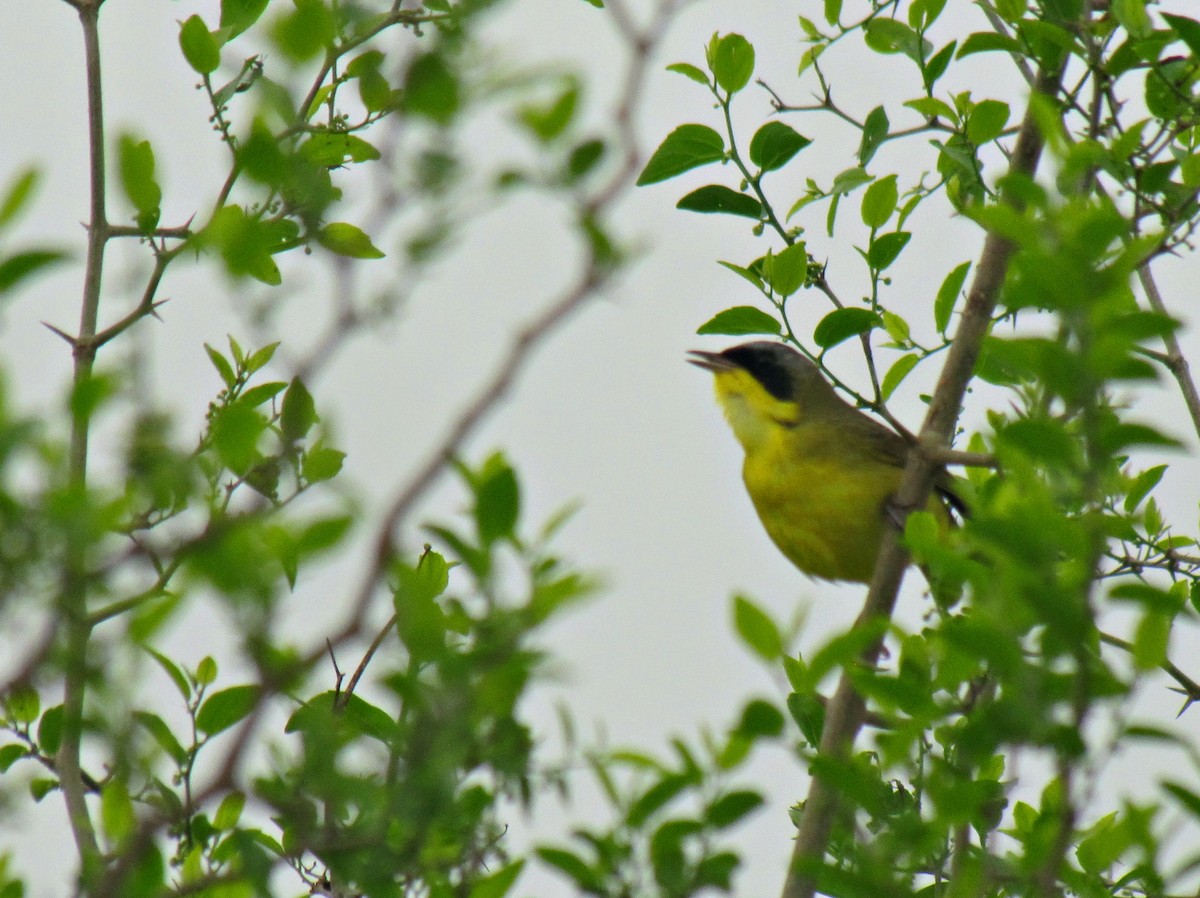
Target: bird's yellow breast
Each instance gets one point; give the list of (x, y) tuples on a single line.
[(817, 479), (825, 513)]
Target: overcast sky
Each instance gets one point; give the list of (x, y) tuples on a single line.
[(608, 413)]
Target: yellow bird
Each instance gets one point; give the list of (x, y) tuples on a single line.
[(821, 473)]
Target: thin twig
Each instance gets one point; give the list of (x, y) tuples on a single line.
[(1189, 687), (1176, 361)]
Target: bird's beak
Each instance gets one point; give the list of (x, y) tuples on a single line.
[(710, 361)]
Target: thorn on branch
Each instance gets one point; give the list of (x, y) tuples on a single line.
[(71, 341)]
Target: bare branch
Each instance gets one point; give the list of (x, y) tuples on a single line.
[(1175, 360)]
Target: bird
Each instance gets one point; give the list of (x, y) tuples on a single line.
[(821, 473)]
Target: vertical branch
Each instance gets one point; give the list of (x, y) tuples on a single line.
[(1176, 361), (74, 594), (846, 710)]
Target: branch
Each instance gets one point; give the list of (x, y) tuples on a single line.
[(1175, 360), (73, 602), (1189, 687), (846, 711)]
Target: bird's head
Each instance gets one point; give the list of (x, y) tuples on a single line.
[(764, 385)]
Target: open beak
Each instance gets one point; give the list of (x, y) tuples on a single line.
[(710, 361)]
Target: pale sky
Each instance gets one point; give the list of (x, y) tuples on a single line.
[(607, 413)]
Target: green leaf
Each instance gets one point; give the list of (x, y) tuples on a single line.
[(246, 242), (199, 48), (842, 324), (256, 396), (1185, 796), (351, 713), (49, 731), (431, 89), (849, 180), (238, 15), (551, 120), (306, 31), (161, 733), (896, 374), (229, 812), (347, 240), (875, 131), (224, 369), (331, 149), (933, 108), (774, 144), (938, 63), (172, 670), (9, 755), (1041, 439), (365, 68), (1118, 436), (879, 202), (322, 463), (323, 534), (947, 296), (250, 72), (655, 798), (757, 630), (987, 121), (20, 192), (19, 266), (729, 809), (988, 42), (498, 884), (787, 271), (689, 71), (428, 580), (1132, 16), (833, 11), (840, 651), (497, 501), (716, 871), (573, 867), (420, 621), (259, 359), (23, 704), (731, 59), (884, 35), (235, 431), (1187, 29), (1142, 485), (135, 162), (299, 412), (750, 275), (685, 148), (715, 198), (584, 157), (1048, 41), (1150, 640), (224, 708), (116, 812), (1168, 88), (886, 248), (760, 719), (740, 321)]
